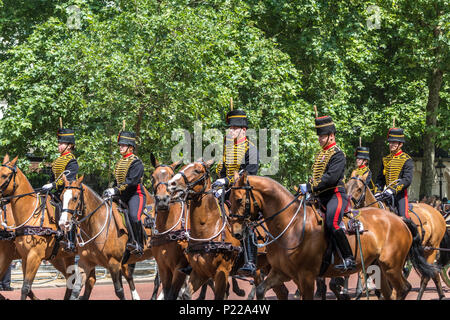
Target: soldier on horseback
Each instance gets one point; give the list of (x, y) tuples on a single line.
[(65, 164), (362, 166), (239, 154), (327, 185), (396, 174), (128, 187)]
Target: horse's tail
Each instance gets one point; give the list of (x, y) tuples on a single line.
[(444, 255), (416, 253)]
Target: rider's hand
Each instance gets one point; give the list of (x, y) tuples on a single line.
[(219, 183), (218, 193), (108, 193), (388, 193), (303, 188), (47, 187)]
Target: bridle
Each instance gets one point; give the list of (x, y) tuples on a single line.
[(12, 176), (191, 185), (164, 183), (78, 211), (363, 194), (247, 216)]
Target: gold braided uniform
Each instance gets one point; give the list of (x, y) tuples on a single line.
[(60, 165), (393, 165), (121, 171), (235, 157), (361, 171)]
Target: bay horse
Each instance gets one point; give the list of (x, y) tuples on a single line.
[(212, 250), (300, 244), (430, 225), (102, 236), (35, 228)]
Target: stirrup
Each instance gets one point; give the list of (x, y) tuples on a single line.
[(135, 248), (347, 265), (248, 270)]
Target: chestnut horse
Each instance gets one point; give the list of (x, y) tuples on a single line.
[(35, 228), (169, 241), (430, 224), (212, 250), (102, 235), (300, 242)]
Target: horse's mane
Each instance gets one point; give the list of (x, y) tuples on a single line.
[(278, 186), (95, 194)]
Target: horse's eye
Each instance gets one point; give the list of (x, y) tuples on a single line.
[(197, 171), (239, 201), (74, 198)]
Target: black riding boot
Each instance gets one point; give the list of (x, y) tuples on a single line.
[(136, 247), (250, 254), (346, 251), (71, 236)]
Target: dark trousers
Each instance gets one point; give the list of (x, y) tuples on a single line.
[(401, 204), (136, 205), (335, 204)]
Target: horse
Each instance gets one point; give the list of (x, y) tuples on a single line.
[(430, 224), (100, 221), (299, 244), (212, 250), (36, 233)]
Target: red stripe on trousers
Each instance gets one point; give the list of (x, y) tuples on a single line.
[(141, 201), (338, 209), (406, 205)]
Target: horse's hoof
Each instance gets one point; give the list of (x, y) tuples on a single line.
[(239, 292)]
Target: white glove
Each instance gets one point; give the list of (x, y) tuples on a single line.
[(218, 183), (218, 193), (47, 187), (108, 193), (303, 188), (389, 192)]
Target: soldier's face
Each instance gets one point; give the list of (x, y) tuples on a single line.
[(326, 139), (394, 146), (123, 149), (62, 146), (360, 162), (236, 132)]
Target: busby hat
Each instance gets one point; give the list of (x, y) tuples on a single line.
[(396, 135), (66, 136), (127, 137), (362, 153), (237, 118), (325, 125)]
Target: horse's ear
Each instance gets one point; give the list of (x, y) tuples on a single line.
[(242, 179), (64, 178), (176, 165), (80, 180), (209, 163), (13, 162), (236, 176), (6, 159), (155, 162)]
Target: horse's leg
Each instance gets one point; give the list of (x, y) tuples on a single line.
[(273, 279), (306, 282), (156, 285), (62, 265), (89, 283), (321, 288), (220, 284), (281, 291), (127, 272), (437, 282), (202, 294), (178, 279), (238, 291), (30, 266), (116, 277)]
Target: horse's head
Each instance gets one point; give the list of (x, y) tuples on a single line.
[(8, 171), (160, 177), (192, 178), (242, 204), (72, 197), (356, 189)]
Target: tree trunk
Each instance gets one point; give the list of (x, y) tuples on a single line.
[(426, 181)]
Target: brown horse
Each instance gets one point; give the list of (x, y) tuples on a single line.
[(430, 225), (102, 235), (300, 242), (169, 243), (35, 228), (212, 250)]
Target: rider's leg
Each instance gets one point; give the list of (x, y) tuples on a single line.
[(335, 210), (136, 206), (250, 254), (401, 200)]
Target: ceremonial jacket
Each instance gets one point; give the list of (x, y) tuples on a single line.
[(237, 155), (399, 166), (128, 173), (361, 171), (65, 162), (328, 171)]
